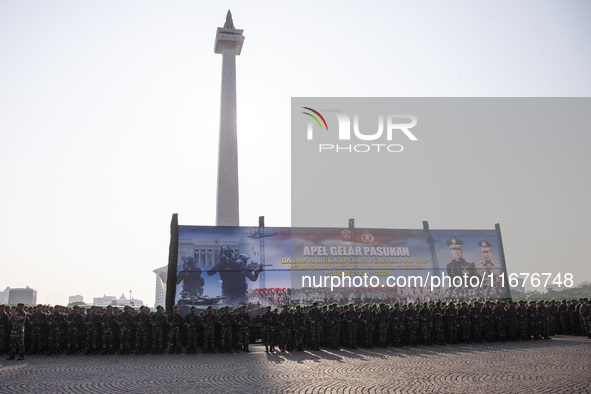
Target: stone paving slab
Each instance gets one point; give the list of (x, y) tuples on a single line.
[(560, 365)]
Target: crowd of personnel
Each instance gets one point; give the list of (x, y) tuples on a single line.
[(61, 330)]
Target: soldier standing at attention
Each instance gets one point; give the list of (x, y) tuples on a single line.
[(18, 317)]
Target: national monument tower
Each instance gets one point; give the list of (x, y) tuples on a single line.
[(228, 43)]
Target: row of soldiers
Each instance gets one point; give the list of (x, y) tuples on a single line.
[(61, 330), (57, 330), (352, 326)]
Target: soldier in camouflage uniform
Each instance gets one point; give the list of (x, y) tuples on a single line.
[(175, 325), (18, 318), (564, 319), (438, 324), (314, 325), (425, 322), (126, 323), (37, 323), (192, 323), (511, 312), (159, 324), (333, 322), (143, 330), (75, 326), (299, 327), (464, 322), (285, 325), (382, 320), (226, 321), (350, 319), (585, 312), (55, 323), (488, 318), (500, 321), (476, 322), (93, 330), (532, 321), (366, 321), (268, 329), (450, 319), (242, 320), (4, 333), (396, 325), (108, 326), (208, 321), (411, 324), (542, 317)]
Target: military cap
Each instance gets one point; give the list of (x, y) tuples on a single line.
[(484, 245), (192, 307), (396, 304), (315, 303), (158, 307), (208, 307), (454, 243), (175, 307)]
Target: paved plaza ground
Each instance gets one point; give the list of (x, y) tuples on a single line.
[(560, 365)]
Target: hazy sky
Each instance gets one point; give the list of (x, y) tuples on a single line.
[(109, 116)]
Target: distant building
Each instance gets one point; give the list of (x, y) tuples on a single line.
[(161, 278), (112, 300), (104, 300), (75, 299), (4, 296), (26, 296)]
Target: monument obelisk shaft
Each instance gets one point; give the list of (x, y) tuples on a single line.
[(228, 43)]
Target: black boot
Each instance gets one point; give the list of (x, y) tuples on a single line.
[(11, 357), (22, 357)]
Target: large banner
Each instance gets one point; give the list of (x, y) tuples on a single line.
[(260, 266)]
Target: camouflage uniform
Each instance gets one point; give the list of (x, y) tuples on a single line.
[(269, 330), (225, 320), (143, 331), (126, 323), (411, 324), (17, 333), (382, 318), (464, 321), (285, 327), (75, 326), (208, 320), (192, 323), (500, 321), (108, 326), (532, 321), (4, 332), (299, 327), (175, 324), (315, 326), (396, 325), (425, 322), (438, 328), (488, 319), (55, 322), (242, 320), (450, 318), (159, 324)]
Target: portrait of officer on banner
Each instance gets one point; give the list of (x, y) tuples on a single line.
[(459, 266), (487, 264)]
